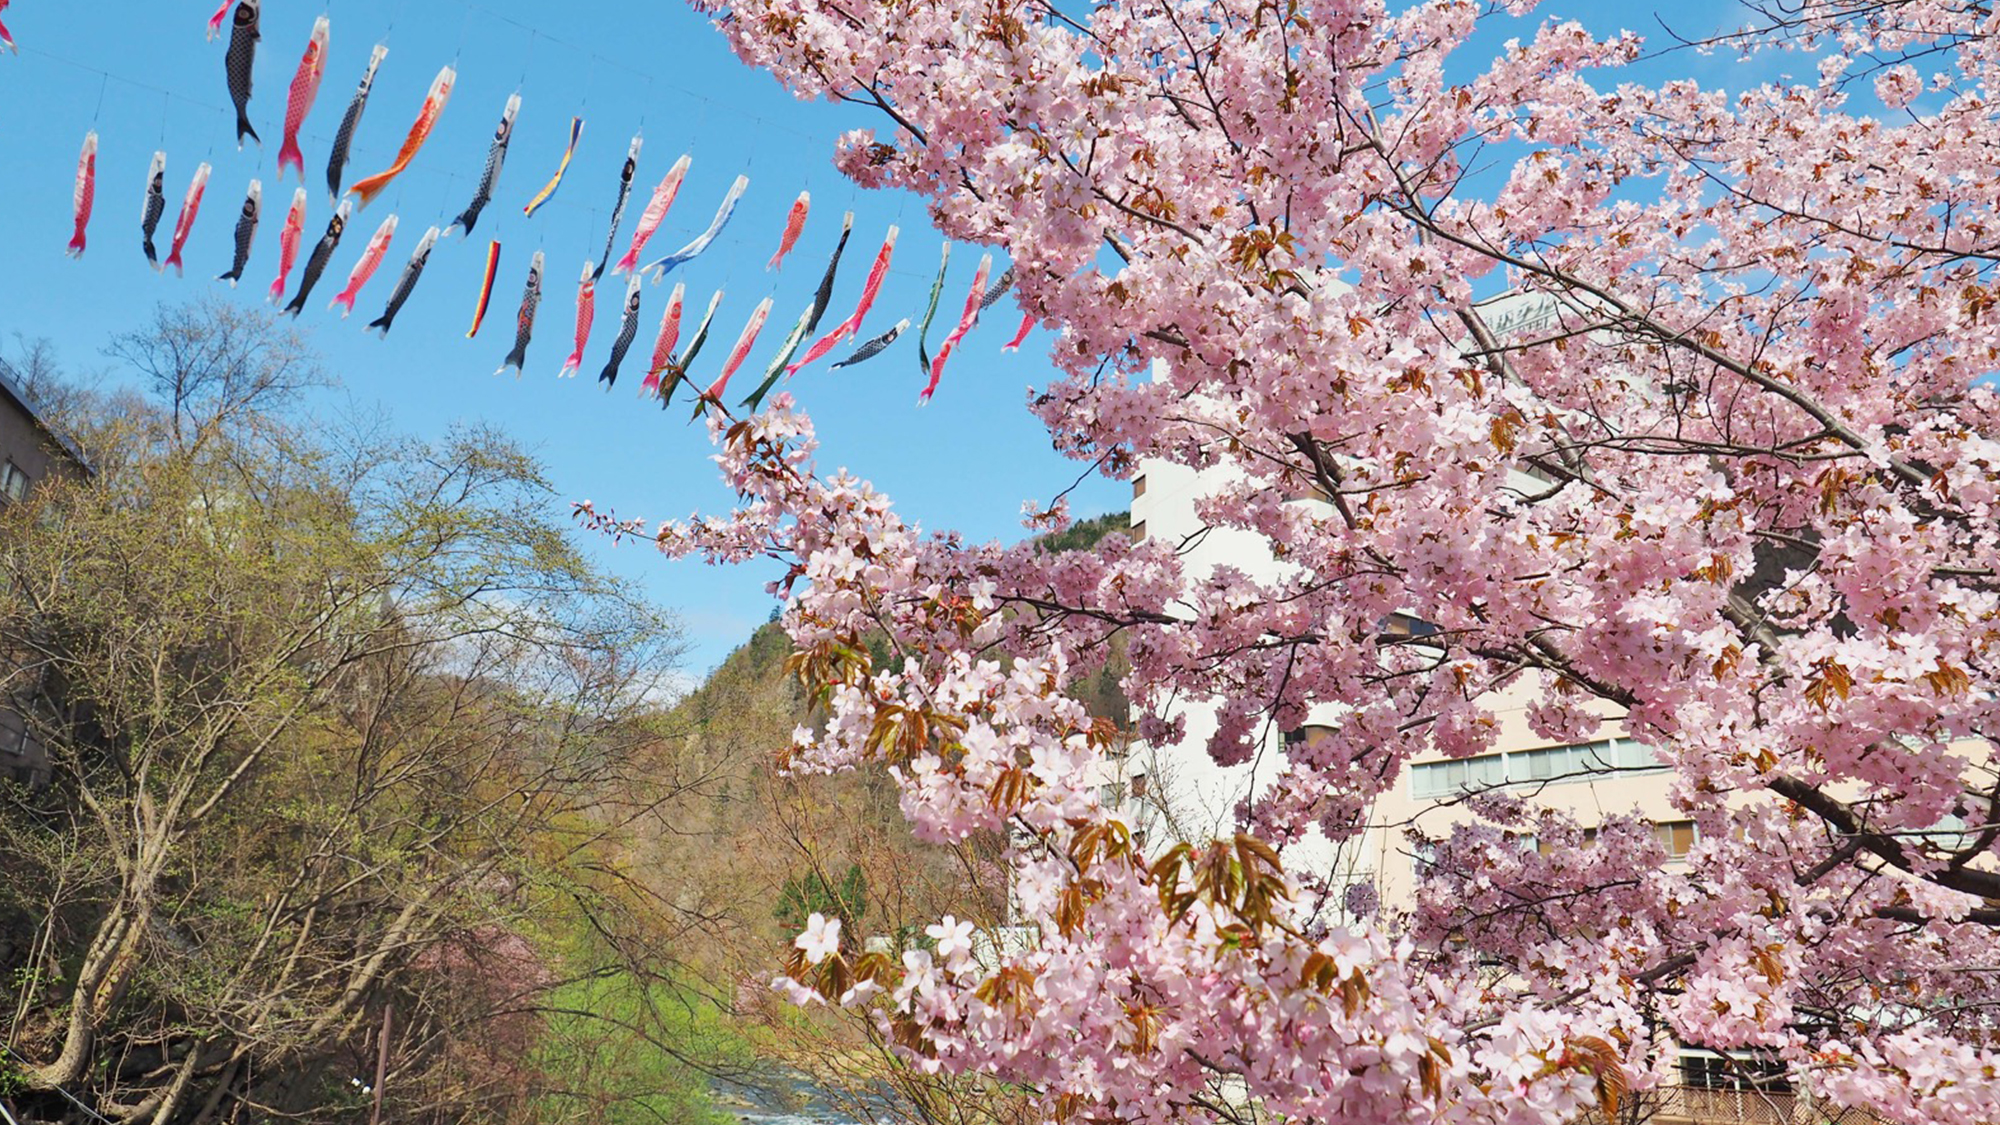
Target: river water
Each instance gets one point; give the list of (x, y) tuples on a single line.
[(779, 1097)]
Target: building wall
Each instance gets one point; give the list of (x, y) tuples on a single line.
[(1175, 792), (31, 455)]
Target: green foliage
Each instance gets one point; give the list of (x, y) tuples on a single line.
[(635, 1052), (1085, 534), (807, 895)]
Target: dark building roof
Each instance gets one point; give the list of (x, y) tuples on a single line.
[(14, 390)]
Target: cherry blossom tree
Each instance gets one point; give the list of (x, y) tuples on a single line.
[(1738, 484)]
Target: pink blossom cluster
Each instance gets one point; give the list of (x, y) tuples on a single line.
[(1725, 462)]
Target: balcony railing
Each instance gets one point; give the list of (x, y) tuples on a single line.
[(1692, 1105)]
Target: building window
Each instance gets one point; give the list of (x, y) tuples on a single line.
[(1138, 786), (13, 481), (1403, 625), (1138, 486), (1448, 779), (1677, 836), (1543, 766), (1709, 1070), (1139, 532)]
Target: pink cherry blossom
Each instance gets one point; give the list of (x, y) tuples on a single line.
[(1659, 400)]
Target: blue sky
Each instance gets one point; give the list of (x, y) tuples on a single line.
[(967, 460)]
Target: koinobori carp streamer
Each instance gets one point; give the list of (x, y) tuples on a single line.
[(288, 242), (794, 223), (304, 91), (663, 344), (625, 175), (239, 63), (365, 267), (655, 212), (155, 206), (524, 320), (420, 131), (586, 311), (628, 330), (966, 320), (190, 207), (406, 284), (496, 158), (350, 121), (693, 249), (316, 262), (852, 325), (85, 196), (246, 232)]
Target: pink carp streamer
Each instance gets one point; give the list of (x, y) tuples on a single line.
[(794, 223), (586, 311), (420, 131), (190, 207), (663, 346), (371, 260), (214, 21), (1020, 334), (288, 242), (656, 212), (86, 191), (486, 288), (744, 342), (846, 329), (7, 40), (965, 322), (305, 91)]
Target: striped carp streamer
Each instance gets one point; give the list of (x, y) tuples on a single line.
[(246, 232), (86, 192), (848, 328), (778, 362), (156, 206), (190, 207), (420, 131), (485, 287), (586, 311), (343, 137), (692, 250), (823, 296), (321, 255), (239, 64), (406, 284), (496, 158), (547, 193), (966, 320), (794, 223), (365, 267), (872, 348), (930, 310), (998, 290), (745, 340), (655, 213), (628, 331), (625, 175), (524, 321), (304, 92), (663, 345), (695, 342), (1021, 333)]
